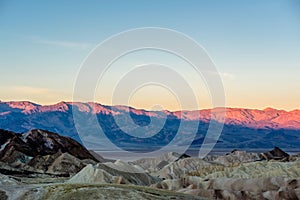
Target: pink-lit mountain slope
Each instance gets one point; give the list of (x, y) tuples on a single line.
[(252, 118), (134, 128)]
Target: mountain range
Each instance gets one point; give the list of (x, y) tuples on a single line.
[(131, 128)]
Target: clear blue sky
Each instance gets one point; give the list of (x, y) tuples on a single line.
[(255, 44)]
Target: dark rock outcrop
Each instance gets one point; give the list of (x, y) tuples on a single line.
[(45, 143), (40, 143), (275, 154), (39, 151), (5, 136)]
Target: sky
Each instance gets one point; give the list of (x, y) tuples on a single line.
[(255, 46)]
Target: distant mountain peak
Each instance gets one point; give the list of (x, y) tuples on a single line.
[(24, 105), (269, 109), (252, 118)]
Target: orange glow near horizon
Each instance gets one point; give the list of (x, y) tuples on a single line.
[(164, 103), (158, 98)]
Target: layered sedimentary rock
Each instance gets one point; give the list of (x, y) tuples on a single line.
[(235, 157), (59, 164), (258, 188), (238, 175), (114, 173), (96, 191), (155, 164)]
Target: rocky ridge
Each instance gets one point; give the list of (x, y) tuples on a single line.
[(42, 152), (243, 128), (252, 118)]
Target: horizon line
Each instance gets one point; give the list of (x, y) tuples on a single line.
[(136, 108)]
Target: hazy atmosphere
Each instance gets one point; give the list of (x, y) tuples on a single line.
[(254, 44)]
